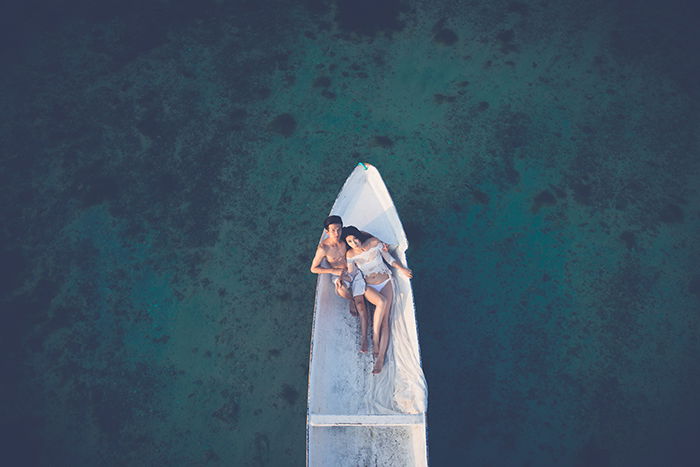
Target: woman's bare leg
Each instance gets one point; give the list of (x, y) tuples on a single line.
[(384, 334), (379, 302), (359, 304)]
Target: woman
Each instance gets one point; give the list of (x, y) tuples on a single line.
[(367, 254)]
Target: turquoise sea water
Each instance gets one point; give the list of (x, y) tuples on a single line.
[(166, 167)]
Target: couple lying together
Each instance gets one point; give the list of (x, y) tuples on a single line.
[(357, 260)]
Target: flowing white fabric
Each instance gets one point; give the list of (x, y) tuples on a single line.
[(400, 387)]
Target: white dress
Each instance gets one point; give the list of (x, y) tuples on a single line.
[(371, 261)]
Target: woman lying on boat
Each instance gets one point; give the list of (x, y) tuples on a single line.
[(367, 254)]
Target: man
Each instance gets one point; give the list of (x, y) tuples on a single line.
[(333, 250)]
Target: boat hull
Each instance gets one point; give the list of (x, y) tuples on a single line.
[(355, 417)]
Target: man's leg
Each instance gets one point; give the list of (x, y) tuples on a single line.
[(359, 303), (343, 291)]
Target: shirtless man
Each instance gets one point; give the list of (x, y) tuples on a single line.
[(333, 250)]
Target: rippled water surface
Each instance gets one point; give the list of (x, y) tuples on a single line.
[(166, 166)]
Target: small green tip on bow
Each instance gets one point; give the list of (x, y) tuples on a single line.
[(363, 165)]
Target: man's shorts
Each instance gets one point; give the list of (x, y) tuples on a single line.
[(357, 286)]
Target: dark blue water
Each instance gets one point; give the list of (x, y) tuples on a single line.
[(166, 167)]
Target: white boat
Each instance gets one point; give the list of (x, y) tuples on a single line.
[(355, 418)]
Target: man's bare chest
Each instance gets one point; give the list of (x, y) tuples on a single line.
[(335, 254)]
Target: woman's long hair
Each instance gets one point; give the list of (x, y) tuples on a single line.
[(355, 232)]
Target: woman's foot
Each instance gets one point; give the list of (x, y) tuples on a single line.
[(378, 365), (375, 348)]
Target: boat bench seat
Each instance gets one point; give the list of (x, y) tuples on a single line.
[(366, 420)]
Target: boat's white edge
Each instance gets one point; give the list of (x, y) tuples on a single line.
[(311, 355), (400, 249)]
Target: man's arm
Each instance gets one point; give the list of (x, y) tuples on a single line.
[(316, 263)]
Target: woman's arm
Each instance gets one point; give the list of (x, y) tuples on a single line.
[(350, 263), (349, 273), (395, 263)]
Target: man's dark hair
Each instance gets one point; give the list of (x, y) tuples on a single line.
[(332, 220)]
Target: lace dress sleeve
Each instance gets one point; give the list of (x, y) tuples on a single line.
[(352, 267), (386, 255)]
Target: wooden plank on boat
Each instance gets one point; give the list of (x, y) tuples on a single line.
[(366, 420)]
